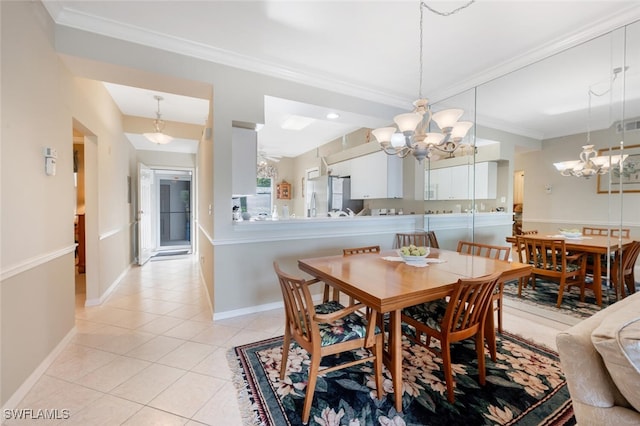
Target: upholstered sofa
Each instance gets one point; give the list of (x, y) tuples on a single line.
[(600, 357)]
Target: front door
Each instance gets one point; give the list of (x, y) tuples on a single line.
[(145, 228)]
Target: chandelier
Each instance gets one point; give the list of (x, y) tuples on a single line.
[(266, 170), (158, 124), (589, 164), (411, 135)]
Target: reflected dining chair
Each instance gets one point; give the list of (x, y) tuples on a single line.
[(614, 233), (589, 230), (549, 259), (520, 252), (459, 317), (348, 252), (420, 239), (493, 252), (622, 270), (312, 328)]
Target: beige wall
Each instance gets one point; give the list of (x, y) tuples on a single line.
[(37, 245), (572, 201)]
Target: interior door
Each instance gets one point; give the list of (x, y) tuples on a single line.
[(145, 228)]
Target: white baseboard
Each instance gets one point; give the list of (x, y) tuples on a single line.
[(105, 296), (26, 386), (254, 309)]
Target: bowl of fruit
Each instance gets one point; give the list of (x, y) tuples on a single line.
[(413, 253)]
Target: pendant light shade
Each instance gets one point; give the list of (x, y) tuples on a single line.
[(158, 137)]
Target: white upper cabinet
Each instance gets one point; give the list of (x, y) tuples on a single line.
[(244, 153), (376, 175), (455, 183), (486, 180)]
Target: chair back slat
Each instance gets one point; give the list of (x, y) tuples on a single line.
[(298, 304), (360, 250), (614, 232), (420, 239), (484, 250), (469, 303)]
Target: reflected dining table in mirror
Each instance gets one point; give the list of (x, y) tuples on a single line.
[(389, 286), (597, 246)]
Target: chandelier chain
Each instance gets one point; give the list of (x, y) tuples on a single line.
[(437, 12), (453, 12)]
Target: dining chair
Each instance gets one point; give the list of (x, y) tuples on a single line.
[(325, 329), (348, 252), (549, 258), (614, 233), (589, 230), (519, 248), (624, 232), (492, 252), (420, 239), (622, 270), (459, 317)]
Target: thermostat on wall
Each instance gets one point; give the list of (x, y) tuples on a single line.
[(50, 158)]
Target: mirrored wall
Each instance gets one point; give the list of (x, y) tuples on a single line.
[(534, 117)]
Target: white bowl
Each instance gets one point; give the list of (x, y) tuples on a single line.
[(413, 258), (569, 234)]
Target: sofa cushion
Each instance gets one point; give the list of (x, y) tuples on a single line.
[(617, 339)]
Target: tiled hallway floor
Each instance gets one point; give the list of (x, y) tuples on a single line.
[(151, 354)]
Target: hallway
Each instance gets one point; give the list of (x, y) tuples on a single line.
[(150, 355)]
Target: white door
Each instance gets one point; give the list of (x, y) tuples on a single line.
[(145, 229)]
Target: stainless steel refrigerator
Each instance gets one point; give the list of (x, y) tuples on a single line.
[(326, 194)]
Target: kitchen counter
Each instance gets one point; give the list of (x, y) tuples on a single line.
[(327, 227)]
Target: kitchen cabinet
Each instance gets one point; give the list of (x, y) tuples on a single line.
[(244, 153), (486, 180), (455, 183), (376, 175), (449, 183)]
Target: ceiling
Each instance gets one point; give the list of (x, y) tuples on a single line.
[(367, 49)]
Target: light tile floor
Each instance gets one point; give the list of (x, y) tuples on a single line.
[(151, 354)]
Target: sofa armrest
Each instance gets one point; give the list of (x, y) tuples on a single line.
[(587, 377)]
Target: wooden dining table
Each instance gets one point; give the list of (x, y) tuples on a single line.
[(594, 245), (388, 286)]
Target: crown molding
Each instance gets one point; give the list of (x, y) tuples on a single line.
[(86, 22)]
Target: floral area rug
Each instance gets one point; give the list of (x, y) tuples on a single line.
[(545, 295), (524, 387)]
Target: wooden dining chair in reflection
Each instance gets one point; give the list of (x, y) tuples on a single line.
[(312, 328), (459, 317), (589, 230), (622, 270), (614, 233), (624, 232), (492, 252), (523, 282), (420, 239), (549, 259), (347, 252)]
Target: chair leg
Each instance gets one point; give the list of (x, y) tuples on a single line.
[(446, 369), (377, 365), (481, 361), (311, 387), (560, 292), (499, 305), (286, 342)]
